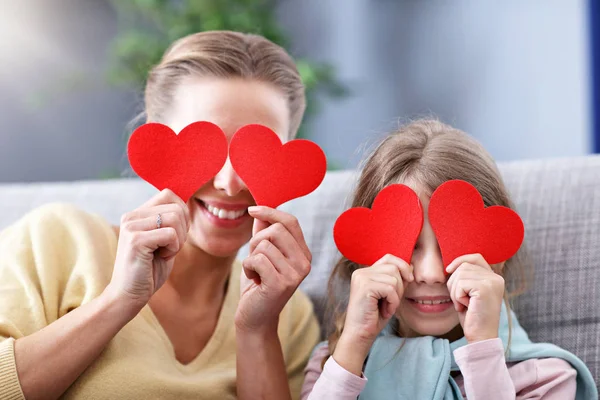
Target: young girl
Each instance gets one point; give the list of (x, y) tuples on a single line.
[(418, 333)]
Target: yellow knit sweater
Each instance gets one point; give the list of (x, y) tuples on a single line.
[(58, 257)]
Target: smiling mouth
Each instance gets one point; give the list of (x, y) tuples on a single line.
[(220, 213), (431, 302)]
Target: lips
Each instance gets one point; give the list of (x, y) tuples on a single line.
[(430, 304), (225, 211)]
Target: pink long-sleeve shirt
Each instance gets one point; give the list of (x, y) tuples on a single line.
[(484, 375)]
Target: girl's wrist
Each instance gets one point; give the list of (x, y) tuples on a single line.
[(351, 354), (480, 337)]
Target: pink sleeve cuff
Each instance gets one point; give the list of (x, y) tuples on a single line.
[(337, 383), (483, 367), (336, 373), (479, 350)]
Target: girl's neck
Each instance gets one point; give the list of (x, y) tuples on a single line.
[(455, 334)]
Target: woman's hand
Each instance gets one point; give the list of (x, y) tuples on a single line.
[(477, 293), (375, 294), (146, 252), (278, 262)]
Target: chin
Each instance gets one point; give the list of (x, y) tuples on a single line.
[(218, 246), (218, 236), (439, 326), (431, 328)]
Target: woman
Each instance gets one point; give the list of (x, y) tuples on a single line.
[(159, 307)]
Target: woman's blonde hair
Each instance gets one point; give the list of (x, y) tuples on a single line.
[(224, 54), (428, 153)]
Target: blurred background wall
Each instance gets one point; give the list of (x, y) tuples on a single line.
[(514, 74)]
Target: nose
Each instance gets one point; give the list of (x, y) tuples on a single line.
[(228, 181), (429, 268)]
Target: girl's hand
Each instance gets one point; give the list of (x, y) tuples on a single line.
[(278, 262), (146, 252), (375, 294), (477, 293)]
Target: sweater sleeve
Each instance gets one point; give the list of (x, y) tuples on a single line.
[(10, 389), (51, 263), (331, 382)]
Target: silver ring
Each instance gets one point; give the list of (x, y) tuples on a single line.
[(158, 221)]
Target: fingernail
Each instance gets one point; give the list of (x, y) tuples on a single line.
[(253, 209)]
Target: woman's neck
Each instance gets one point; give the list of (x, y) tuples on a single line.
[(199, 277)]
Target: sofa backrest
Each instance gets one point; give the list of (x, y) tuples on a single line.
[(559, 201)]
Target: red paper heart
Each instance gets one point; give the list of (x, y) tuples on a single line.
[(183, 162), (392, 226), (276, 173), (463, 225)]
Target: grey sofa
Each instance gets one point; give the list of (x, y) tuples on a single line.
[(559, 201)]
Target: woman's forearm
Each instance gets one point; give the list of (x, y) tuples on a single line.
[(50, 360), (261, 372)]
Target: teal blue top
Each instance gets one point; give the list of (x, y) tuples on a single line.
[(421, 369)]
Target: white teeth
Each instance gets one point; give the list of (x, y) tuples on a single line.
[(431, 302), (224, 214)]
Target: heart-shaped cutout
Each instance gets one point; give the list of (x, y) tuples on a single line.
[(276, 172), (391, 226), (181, 162), (463, 225)]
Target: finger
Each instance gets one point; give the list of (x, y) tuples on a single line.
[(183, 212), (472, 271), (465, 273), (167, 196), (385, 278), (272, 216), (451, 284), (258, 226), (143, 212), (385, 269), (406, 269), (277, 259), (164, 239), (153, 211), (387, 293), (168, 219), (476, 259), (279, 236), (463, 291), (260, 269)]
